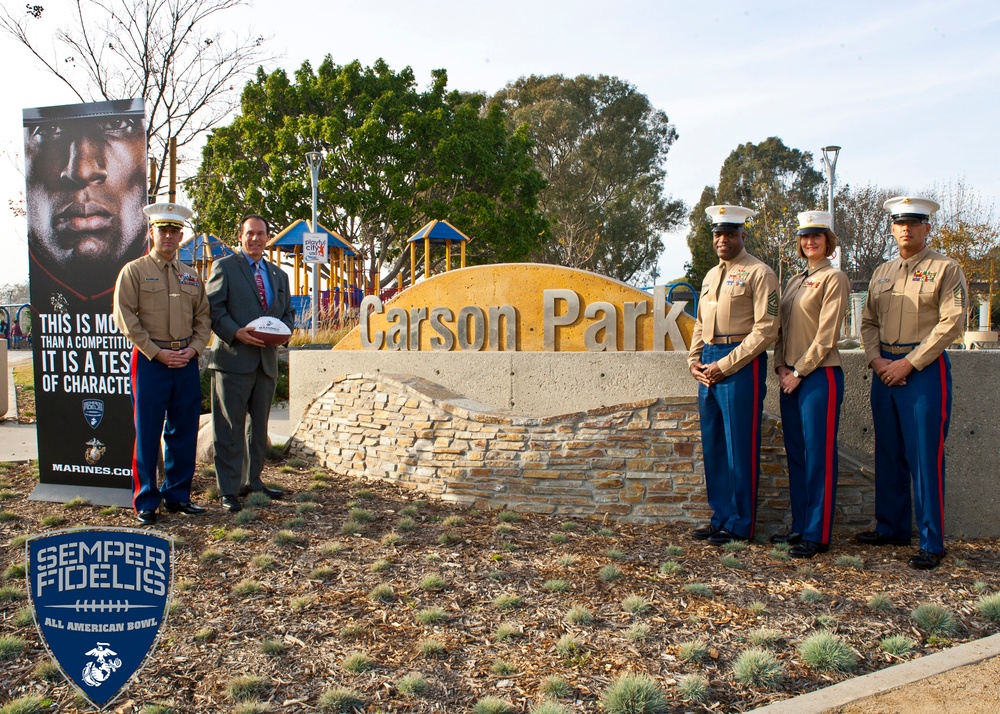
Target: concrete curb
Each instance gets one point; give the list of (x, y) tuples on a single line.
[(884, 680)]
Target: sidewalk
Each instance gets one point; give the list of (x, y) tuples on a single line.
[(19, 443)]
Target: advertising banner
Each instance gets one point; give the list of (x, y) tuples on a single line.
[(85, 173), (99, 597)]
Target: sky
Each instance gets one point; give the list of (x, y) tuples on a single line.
[(909, 90)]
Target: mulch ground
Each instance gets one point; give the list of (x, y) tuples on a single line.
[(314, 597)]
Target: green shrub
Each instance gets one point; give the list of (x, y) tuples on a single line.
[(555, 687), (555, 586), (634, 694), (670, 567), (636, 605), (430, 615), (731, 561), (579, 615), (637, 632), (609, 573), (357, 662), (11, 647), (934, 619), (502, 668), (880, 603), (272, 648), (509, 517), (699, 590), (246, 588), (810, 595), (568, 646), (989, 607), (433, 582), (492, 705), (897, 645), (507, 601), (551, 708), (693, 651), (30, 704), (246, 687), (46, 671), (764, 637), (412, 685), (827, 652), (431, 648), (757, 668), (851, 561), (558, 538), (692, 688), (340, 700)]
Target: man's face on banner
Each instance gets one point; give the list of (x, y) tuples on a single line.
[(86, 187)]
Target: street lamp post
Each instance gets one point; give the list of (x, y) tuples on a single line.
[(314, 160), (831, 178)]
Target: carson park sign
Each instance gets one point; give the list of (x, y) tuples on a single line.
[(522, 307)]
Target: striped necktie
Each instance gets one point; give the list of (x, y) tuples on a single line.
[(260, 285)]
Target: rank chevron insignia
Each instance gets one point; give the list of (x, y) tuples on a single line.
[(772, 303)]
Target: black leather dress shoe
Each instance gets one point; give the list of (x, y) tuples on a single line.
[(807, 549), (876, 538), (704, 532), (231, 503), (924, 560), (790, 538), (722, 536), (183, 507), (274, 494), (146, 518)]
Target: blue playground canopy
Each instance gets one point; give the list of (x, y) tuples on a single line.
[(292, 235), (439, 232), (203, 247)]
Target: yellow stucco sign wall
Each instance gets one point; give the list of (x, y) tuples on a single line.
[(524, 307)]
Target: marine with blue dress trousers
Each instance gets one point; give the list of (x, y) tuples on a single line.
[(812, 385), (737, 321), (916, 307), (160, 305)]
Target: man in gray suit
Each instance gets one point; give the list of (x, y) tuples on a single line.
[(241, 288)]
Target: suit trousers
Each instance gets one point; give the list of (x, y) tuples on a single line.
[(730, 440), (241, 404), (810, 417), (166, 403), (911, 423)]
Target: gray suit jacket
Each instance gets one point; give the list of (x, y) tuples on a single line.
[(235, 301)]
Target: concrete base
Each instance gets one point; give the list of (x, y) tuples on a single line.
[(62, 493)]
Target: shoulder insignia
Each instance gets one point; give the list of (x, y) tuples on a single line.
[(772, 303), (960, 295)]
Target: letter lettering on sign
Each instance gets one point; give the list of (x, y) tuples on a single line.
[(553, 319), (444, 341), (395, 336), (370, 304), (607, 324), (630, 320), (475, 342), (665, 323), (509, 315)]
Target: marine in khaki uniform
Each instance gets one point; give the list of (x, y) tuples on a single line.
[(916, 307), (737, 321), (807, 362), (161, 306)]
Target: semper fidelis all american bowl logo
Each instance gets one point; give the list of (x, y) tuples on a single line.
[(99, 596)]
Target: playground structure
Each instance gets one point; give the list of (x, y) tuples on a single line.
[(20, 313)]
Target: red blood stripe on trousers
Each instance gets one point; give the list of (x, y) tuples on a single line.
[(753, 446), (831, 438), (135, 445), (940, 455)]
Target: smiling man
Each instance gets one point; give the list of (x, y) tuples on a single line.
[(242, 288), (915, 308), (737, 321), (85, 175)]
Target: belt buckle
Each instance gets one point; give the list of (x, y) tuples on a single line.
[(176, 344)]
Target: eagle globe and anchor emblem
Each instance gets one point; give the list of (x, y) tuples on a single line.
[(97, 671)]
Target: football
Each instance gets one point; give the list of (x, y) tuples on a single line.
[(270, 330)]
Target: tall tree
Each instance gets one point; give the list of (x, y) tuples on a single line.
[(395, 157), (863, 229), (601, 146), (778, 183), (967, 229), (169, 52)]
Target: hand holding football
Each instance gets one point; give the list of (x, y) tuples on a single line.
[(269, 330)]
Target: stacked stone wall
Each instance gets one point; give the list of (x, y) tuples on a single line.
[(639, 461)]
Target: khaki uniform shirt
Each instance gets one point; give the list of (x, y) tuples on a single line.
[(918, 301), (163, 301), (738, 297), (811, 314)]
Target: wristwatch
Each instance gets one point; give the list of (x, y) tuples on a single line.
[(795, 373)]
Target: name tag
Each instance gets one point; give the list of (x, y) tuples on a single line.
[(152, 280)]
